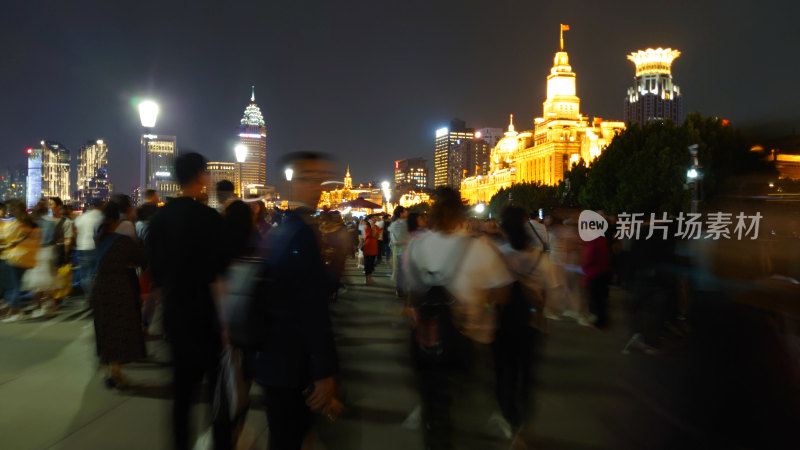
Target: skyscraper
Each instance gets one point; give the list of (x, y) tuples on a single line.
[(468, 158), (253, 134), (410, 175), (159, 153), (218, 171), (653, 95), (33, 191), (55, 170), (445, 173), (491, 135), (13, 183), (92, 162)]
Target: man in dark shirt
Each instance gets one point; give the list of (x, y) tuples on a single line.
[(298, 364), (186, 255)]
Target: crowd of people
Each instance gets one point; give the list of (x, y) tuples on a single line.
[(251, 285)]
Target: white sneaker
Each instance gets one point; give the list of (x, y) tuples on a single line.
[(414, 419), (15, 318), (501, 424), (37, 313)]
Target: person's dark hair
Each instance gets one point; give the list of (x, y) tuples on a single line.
[(149, 193), (514, 222), (238, 227), (188, 167), (57, 201), (412, 222), (111, 214), (288, 159), (17, 210), (447, 210), (97, 203), (225, 186), (123, 203)]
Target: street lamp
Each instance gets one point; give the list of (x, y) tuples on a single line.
[(693, 177), (289, 172), (386, 193), (241, 156), (480, 208), (148, 113)]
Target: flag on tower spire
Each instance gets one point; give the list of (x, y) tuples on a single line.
[(563, 29)]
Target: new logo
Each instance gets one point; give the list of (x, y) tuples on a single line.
[(591, 225)]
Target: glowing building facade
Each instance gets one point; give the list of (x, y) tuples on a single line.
[(55, 170), (653, 95), (159, 153), (253, 135), (331, 199), (446, 172), (410, 175), (218, 171), (561, 137), (93, 171)]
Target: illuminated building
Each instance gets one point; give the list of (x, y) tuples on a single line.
[(92, 163), (218, 171), (410, 174), (13, 183), (560, 138), (33, 191), (159, 153), (413, 198), (332, 198), (253, 135), (97, 187), (653, 95), (491, 135), (444, 172), (55, 170), (468, 158)]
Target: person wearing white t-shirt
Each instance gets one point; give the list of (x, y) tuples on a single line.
[(85, 226), (472, 272)]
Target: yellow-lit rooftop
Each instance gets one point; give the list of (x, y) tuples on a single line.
[(658, 60)]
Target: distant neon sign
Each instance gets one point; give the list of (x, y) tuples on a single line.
[(250, 135)]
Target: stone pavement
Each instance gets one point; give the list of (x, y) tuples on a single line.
[(53, 396)]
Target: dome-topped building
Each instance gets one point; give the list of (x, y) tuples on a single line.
[(560, 138)]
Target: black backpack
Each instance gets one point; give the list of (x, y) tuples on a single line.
[(438, 343), (248, 281)]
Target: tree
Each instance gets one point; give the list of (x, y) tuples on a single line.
[(420, 208), (573, 184), (528, 195)]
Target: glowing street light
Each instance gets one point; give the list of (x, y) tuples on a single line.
[(148, 113), (480, 208), (241, 153), (691, 174), (289, 172)]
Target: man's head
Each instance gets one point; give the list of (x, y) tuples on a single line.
[(400, 213), (448, 211), (310, 170), (224, 191), (190, 170), (151, 196), (55, 206)]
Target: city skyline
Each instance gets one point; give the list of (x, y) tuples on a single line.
[(315, 95)]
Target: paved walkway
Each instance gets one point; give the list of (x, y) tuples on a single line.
[(53, 395)]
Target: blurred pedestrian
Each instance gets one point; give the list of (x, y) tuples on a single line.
[(371, 250), (115, 298), (187, 254), (145, 213), (224, 190), (400, 237), (298, 365), (20, 240), (596, 277), (85, 226)]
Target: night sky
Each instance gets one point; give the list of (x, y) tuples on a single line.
[(368, 82)]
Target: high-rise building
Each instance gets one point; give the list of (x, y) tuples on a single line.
[(13, 183), (33, 191), (560, 138), (491, 135), (158, 168), (55, 170), (218, 171), (92, 170), (444, 173), (653, 95), (468, 158), (410, 175), (253, 134)]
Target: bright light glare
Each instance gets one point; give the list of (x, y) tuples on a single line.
[(478, 135), (241, 153), (480, 208), (148, 113), (385, 185), (691, 174), (441, 132), (772, 185), (289, 172)]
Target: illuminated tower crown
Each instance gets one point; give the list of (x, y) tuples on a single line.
[(654, 96), (348, 181), (653, 61), (562, 101)]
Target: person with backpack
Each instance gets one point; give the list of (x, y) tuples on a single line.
[(521, 320), (454, 281)]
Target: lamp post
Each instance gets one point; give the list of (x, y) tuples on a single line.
[(241, 156), (148, 113), (693, 177), (387, 194), (289, 173)]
